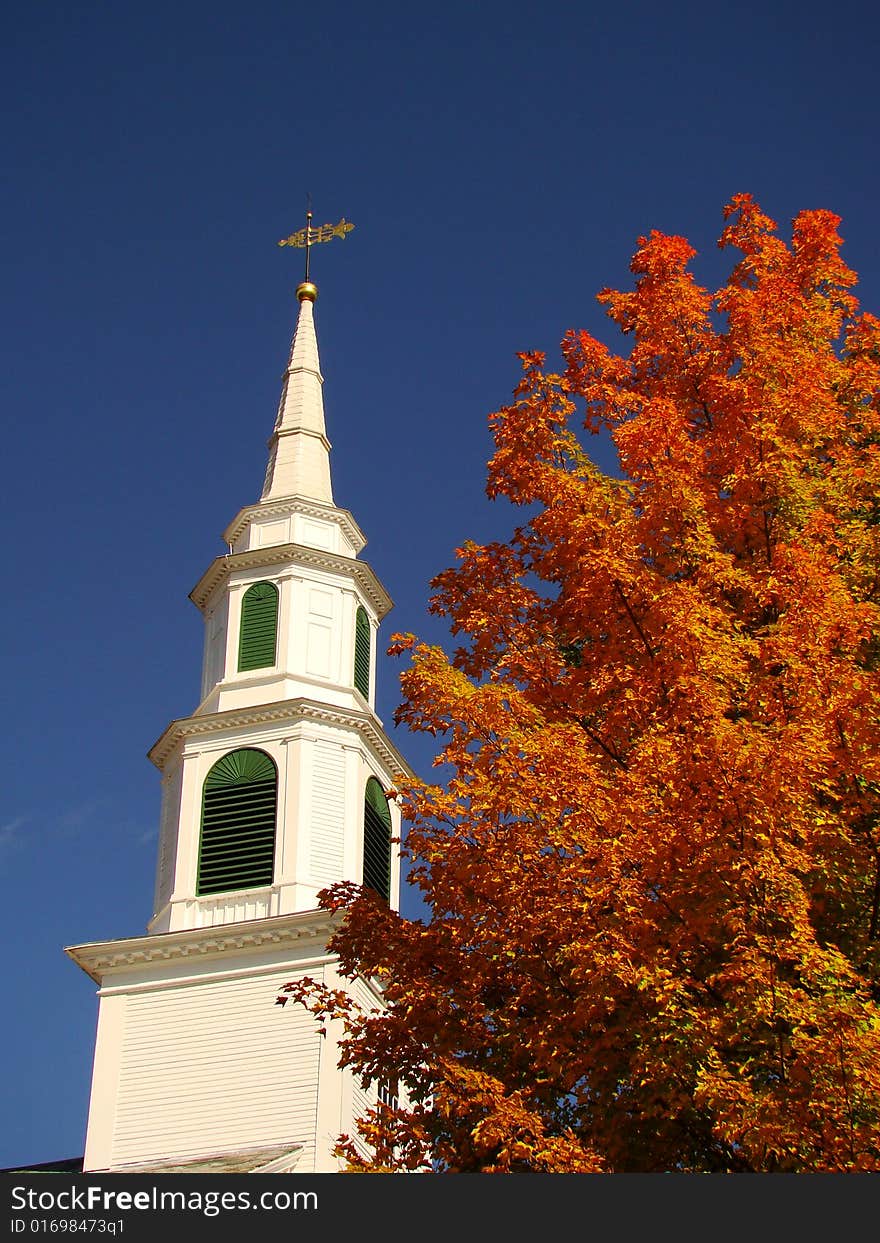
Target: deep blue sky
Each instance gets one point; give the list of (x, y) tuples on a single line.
[(499, 162)]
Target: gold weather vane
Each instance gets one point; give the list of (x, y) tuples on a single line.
[(309, 237)]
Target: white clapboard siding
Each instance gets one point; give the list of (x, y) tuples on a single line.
[(360, 1103), (168, 841), (214, 1066), (215, 647), (362, 1098), (328, 812)]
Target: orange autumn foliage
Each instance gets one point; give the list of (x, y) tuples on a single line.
[(653, 869)]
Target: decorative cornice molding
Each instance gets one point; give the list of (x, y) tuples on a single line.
[(293, 554), (97, 958), (288, 712), (296, 505)]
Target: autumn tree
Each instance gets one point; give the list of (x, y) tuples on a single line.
[(652, 864)]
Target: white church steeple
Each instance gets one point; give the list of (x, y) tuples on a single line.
[(299, 451), (272, 790)]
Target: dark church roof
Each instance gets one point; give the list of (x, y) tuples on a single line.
[(71, 1165)]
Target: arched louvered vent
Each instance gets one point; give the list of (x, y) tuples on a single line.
[(237, 848), (259, 625), (362, 652), (377, 840)]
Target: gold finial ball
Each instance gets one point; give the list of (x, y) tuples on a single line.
[(307, 290)]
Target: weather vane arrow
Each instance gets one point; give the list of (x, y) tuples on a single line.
[(323, 233), (310, 236)]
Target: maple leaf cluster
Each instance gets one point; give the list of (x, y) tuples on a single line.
[(652, 871)]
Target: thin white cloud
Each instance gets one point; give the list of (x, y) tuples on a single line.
[(80, 816), (9, 830)]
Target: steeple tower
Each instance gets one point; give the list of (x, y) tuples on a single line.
[(273, 789)]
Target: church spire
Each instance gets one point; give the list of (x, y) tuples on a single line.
[(299, 451)]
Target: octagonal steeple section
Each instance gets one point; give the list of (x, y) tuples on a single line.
[(289, 621)]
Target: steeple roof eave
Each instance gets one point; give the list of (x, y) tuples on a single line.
[(285, 505), (289, 712), (295, 554)]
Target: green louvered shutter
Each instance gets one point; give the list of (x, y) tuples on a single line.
[(259, 626), (237, 847), (362, 652), (377, 840)]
